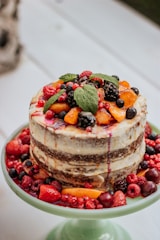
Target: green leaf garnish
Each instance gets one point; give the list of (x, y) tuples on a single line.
[(105, 78), (87, 98), (68, 77), (52, 100)]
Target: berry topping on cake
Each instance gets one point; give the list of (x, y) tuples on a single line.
[(90, 92)]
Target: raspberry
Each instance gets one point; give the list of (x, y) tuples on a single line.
[(14, 147), (49, 114), (57, 185), (85, 74), (133, 190), (26, 182), (48, 91), (25, 149), (25, 136), (132, 178), (36, 185), (40, 103)]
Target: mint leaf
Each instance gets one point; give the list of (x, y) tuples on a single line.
[(87, 98), (105, 78), (68, 77), (52, 100)]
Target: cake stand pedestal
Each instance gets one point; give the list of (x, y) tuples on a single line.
[(84, 224), (88, 230)]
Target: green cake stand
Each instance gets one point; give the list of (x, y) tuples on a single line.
[(82, 224)]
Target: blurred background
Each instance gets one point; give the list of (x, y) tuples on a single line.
[(149, 8)]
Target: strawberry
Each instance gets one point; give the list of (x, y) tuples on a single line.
[(14, 147), (48, 193), (119, 199), (85, 74)]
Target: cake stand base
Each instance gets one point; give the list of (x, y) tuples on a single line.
[(88, 230)]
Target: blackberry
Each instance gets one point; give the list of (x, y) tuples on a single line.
[(86, 119), (111, 91), (70, 99), (121, 185)]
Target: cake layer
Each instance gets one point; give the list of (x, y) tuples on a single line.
[(76, 141), (100, 175)]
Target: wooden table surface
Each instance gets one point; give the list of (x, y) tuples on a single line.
[(71, 36)]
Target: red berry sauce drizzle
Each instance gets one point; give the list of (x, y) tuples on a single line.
[(35, 181), (108, 157)]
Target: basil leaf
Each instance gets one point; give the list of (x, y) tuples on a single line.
[(87, 98), (68, 77), (52, 100), (105, 78)]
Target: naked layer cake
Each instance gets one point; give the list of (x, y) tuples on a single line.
[(88, 128)]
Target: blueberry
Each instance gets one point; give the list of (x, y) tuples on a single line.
[(48, 180), (13, 173), (120, 103), (62, 114), (143, 165), (150, 150), (152, 136), (131, 113), (136, 90), (28, 163), (21, 174), (24, 157)]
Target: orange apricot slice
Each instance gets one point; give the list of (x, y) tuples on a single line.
[(55, 84), (59, 107), (103, 117), (118, 114), (101, 94), (42, 174), (72, 116), (142, 173), (129, 97), (124, 84), (82, 192)]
